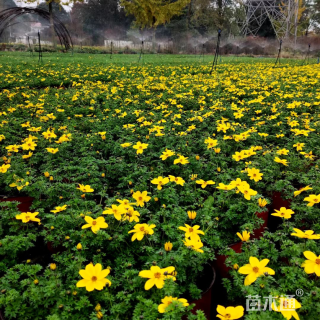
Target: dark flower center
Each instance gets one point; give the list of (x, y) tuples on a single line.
[(255, 269), (94, 278)]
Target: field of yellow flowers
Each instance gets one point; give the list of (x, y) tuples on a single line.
[(139, 175)]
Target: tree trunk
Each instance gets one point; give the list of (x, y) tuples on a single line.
[(53, 38)]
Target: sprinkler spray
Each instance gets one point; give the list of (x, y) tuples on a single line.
[(306, 58), (216, 55), (202, 52), (40, 50)]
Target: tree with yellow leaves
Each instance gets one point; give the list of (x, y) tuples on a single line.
[(152, 13)]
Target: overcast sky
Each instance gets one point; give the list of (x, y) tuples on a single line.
[(22, 3)]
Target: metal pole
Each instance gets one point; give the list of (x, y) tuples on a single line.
[(31, 51), (215, 59), (40, 51), (141, 52)]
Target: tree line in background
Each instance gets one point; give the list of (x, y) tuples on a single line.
[(90, 22)]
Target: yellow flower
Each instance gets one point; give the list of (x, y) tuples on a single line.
[(167, 301), (84, 188), (262, 202), (255, 269), (296, 193), (299, 146), (312, 265), (141, 197), (312, 199), (238, 183), (140, 230), (194, 244), (192, 215), (254, 174), (59, 209), (49, 134), (126, 145), (47, 174), (191, 232), (308, 234), (226, 187), (247, 192), (95, 224), (97, 307), (211, 143), (94, 277), (52, 150), (13, 148), (217, 150), (283, 213), (166, 154), (125, 202), (283, 161), (29, 145), (160, 181), (4, 168), (53, 266), (99, 315), (177, 180), (28, 216), (283, 152), (79, 246), (26, 156), (193, 177), (230, 313), (130, 214), (287, 307), (245, 236), (235, 266), (181, 160), (204, 183), (168, 246), (36, 281), (117, 211), (238, 156), (157, 276), (140, 147)]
